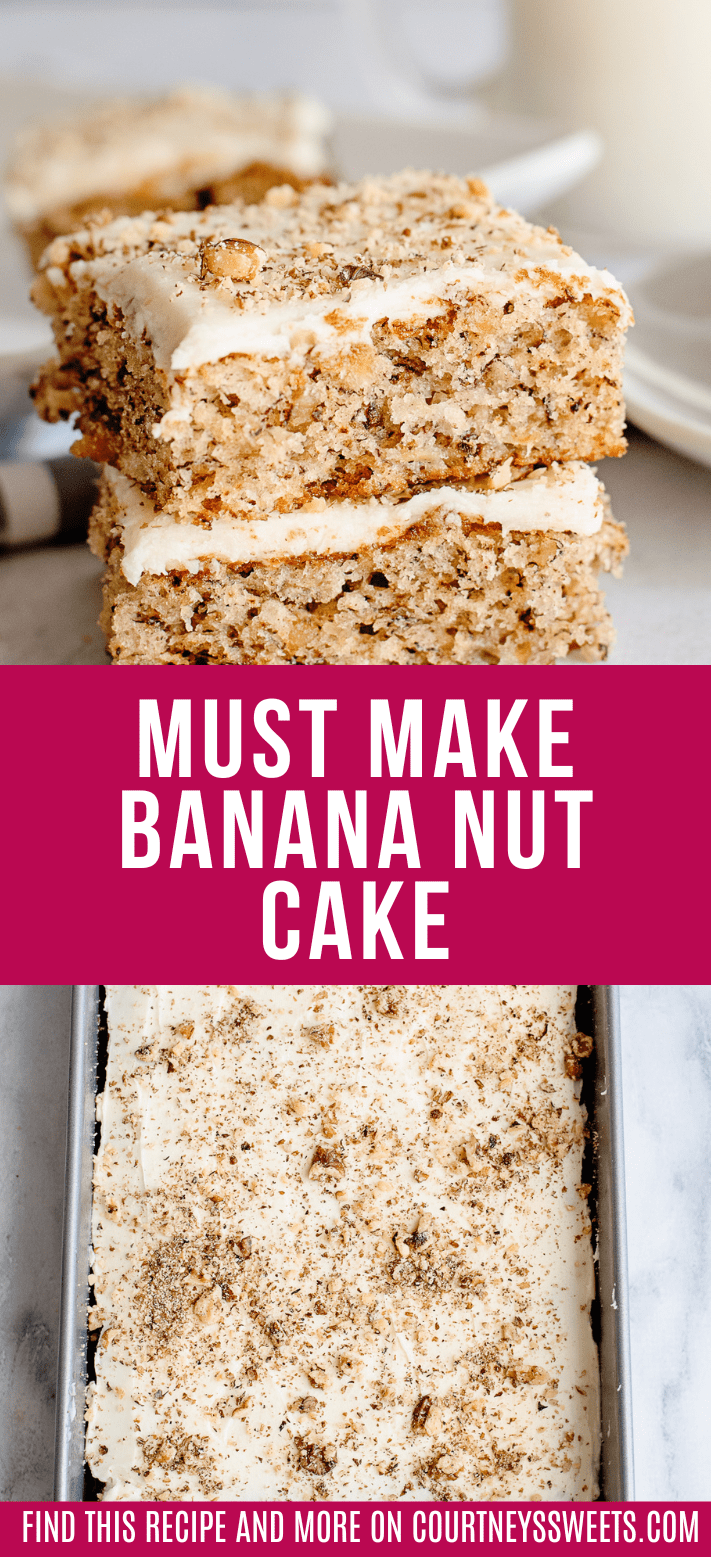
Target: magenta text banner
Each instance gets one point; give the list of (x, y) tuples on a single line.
[(368, 1528), (365, 825)]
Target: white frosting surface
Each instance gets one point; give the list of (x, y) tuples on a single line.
[(159, 297), (563, 498), (191, 137), (335, 260), (339, 1248)]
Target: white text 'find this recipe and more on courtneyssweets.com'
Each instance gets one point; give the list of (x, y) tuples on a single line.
[(362, 1525)]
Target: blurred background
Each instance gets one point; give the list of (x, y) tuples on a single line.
[(595, 116)]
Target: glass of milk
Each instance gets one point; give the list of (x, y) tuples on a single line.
[(639, 72)]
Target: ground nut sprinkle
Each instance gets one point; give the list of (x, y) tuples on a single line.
[(357, 1268)]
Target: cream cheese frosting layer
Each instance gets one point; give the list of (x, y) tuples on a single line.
[(187, 139), (339, 1249), (564, 498), (188, 328), (420, 250)]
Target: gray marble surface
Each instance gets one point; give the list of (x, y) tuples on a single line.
[(34, 1052), (666, 1034), (666, 1041)]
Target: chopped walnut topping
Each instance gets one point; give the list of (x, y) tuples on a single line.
[(316, 1459), (165, 1291), (580, 1049), (233, 258), (401, 1241), (318, 250), (208, 1308), (297, 1108), (386, 999), (308, 1404), (328, 1121), (183, 1453), (327, 1163), (421, 1413), (350, 273), (320, 1033)]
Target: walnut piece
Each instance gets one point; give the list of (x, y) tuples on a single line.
[(297, 1108), (421, 1413), (235, 258), (320, 1033), (316, 1458), (327, 1163), (581, 1047), (208, 1308), (307, 1404), (386, 999)]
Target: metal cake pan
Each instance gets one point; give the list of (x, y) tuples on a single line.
[(598, 1014)]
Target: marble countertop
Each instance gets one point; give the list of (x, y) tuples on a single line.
[(666, 1037)]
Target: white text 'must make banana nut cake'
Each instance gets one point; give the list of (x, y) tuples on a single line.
[(341, 1247), (344, 425)]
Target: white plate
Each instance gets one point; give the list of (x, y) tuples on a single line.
[(653, 405), (526, 162), (668, 366)]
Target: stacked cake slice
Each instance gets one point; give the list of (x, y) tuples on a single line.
[(349, 424)]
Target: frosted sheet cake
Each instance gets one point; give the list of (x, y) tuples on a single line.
[(345, 424), (194, 147), (342, 1248)]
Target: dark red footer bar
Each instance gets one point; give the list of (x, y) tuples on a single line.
[(367, 1527)]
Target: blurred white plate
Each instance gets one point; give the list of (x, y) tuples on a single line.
[(668, 365), (526, 162)]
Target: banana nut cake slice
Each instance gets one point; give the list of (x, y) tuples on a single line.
[(196, 146), (341, 1247), (347, 424)]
